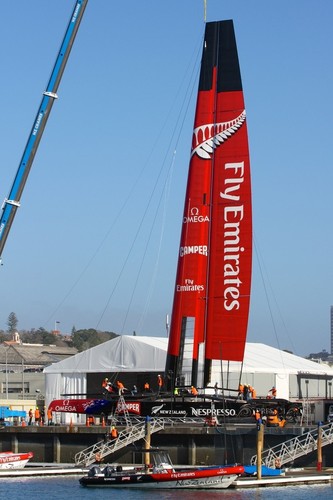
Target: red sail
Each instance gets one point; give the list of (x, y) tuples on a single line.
[(213, 281)]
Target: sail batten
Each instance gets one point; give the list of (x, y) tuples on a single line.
[(213, 278)]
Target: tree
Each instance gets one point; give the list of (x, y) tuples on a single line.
[(12, 322), (87, 338)]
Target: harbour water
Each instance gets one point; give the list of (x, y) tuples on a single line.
[(53, 488)]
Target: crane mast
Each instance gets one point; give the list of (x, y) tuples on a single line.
[(11, 204)]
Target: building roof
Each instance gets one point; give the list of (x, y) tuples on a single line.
[(34, 354)]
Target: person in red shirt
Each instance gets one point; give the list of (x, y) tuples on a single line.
[(159, 383)]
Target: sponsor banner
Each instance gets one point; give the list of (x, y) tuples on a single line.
[(91, 406), (188, 410)]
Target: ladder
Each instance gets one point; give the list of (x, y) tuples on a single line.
[(306, 413), (296, 447), (128, 435)]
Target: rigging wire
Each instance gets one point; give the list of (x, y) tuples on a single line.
[(154, 274), (128, 198), (167, 186), (180, 125), (259, 260)]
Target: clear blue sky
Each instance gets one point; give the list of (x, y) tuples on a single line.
[(110, 140)]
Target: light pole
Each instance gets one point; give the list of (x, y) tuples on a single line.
[(7, 374)]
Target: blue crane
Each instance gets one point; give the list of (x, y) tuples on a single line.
[(11, 204)]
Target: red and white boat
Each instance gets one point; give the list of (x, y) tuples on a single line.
[(10, 460), (162, 475)]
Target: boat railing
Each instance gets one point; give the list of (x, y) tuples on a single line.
[(130, 434), (167, 420), (290, 450)]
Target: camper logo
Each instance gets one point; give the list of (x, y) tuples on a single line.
[(134, 407), (208, 137)]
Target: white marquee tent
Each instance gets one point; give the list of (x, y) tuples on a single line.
[(263, 367)]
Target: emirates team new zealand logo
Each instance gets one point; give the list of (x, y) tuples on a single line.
[(210, 136)]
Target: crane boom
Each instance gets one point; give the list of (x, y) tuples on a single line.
[(12, 203)]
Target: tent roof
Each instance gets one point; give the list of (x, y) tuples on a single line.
[(261, 358), (121, 354), (145, 354)]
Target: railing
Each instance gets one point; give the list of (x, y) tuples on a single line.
[(296, 447), (127, 436)]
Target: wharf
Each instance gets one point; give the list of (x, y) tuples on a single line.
[(40, 470), (290, 477)]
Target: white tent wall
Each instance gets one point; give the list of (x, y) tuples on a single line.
[(57, 385), (282, 385)]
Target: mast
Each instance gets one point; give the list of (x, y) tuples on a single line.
[(12, 203), (212, 290)]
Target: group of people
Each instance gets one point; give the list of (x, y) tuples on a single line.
[(246, 392), (193, 391), (37, 416), (119, 388)]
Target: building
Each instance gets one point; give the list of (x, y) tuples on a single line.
[(22, 381)]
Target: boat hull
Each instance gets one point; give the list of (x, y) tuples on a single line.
[(150, 481), (9, 460)]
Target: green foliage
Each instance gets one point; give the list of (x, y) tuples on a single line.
[(12, 322), (4, 336), (85, 339), (81, 339), (39, 336)]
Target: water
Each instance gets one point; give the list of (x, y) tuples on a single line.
[(56, 488)]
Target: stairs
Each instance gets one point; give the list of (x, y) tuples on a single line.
[(296, 447), (128, 435)]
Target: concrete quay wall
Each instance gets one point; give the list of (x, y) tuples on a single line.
[(187, 444)]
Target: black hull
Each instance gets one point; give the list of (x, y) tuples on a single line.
[(222, 409)]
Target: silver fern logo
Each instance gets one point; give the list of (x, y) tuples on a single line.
[(210, 136)]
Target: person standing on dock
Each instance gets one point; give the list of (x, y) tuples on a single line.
[(42, 415), (30, 414), (105, 383), (37, 416), (134, 390), (49, 417), (159, 383), (240, 391), (194, 392), (121, 387), (113, 433), (272, 393)]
